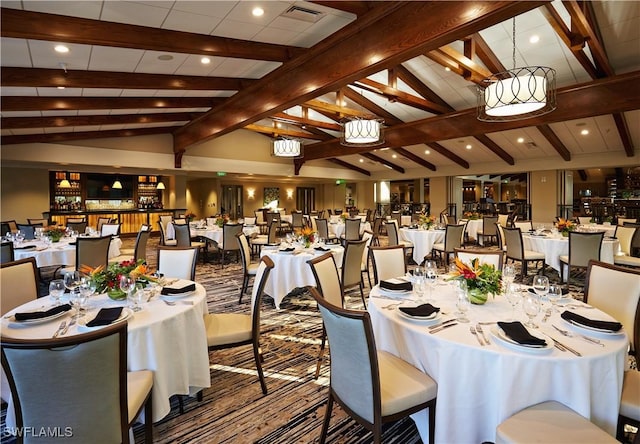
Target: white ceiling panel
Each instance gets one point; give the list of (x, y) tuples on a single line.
[(44, 55), (151, 64), (15, 52), (135, 13), (84, 9), (105, 58)]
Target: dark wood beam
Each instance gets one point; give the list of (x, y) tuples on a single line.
[(496, 149), (583, 175), (282, 117), (111, 119), (410, 29), (344, 164), (448, 154), (379, 159), (389, 119), (336, 110), (418, 86), (415, 158), (470, 70), (275, 132), (61, 137), (120, 80), (625, 136), (555, 141), (28, 103), (595, 98), (58, 28), (486, 55), (401, 96)]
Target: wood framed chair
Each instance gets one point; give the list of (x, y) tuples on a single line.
[(8, 226), (323, 231), (45, 222), (388, 262), (373, 387), (259, 241), (18, 283), (101, 399), (584, 220), (377, 226), (183, 239), (488, 230), (297, 220), (91, 252), (623, 304), (101, 222), (110, 229), (80, 227), (6, 252), (491, 257), (351, 230), (502, 243), (367, 236), (75, 219), (394, 238), (164, 241), (140, 249), (249, 269), (226, 330), (503, 219), (28, 230), (621, 221), (351, 271), (229, 240), (260, 221), (453, 238), (524, 225), (583, 247), (626, 235), (516, 251), (178, 262)]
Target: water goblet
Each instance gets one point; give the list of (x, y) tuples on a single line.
[(531, 307), (72, 280), (56, 290), (137, 296), (462, 302), (514, 297), (431, 276), (87, 288), (508, 273), (554, 295), (541, 285), (127, 284)]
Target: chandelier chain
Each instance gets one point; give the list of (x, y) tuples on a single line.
[(513, 37)]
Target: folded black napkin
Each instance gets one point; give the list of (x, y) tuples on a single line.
[(600, 325), (322, 249), (42, 314), (288, 249), (413, 227), (172, 290), (565, 291), (26, 247), (105, 317), (402, 286), (422, 311), (72, 243), (518, 332)]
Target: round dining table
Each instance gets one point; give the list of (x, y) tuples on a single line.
[(169, 340), (338, 228), (422, 241), (216, 233), (479, 386), (57, 253)]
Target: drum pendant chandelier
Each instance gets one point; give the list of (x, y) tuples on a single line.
[(517, 94), (362, 132), (286, 147)]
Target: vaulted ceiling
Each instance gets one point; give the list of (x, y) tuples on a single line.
[(135, 68)]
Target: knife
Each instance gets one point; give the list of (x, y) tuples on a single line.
[(431, 327), (442, 327)]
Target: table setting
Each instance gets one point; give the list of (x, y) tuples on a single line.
[(422, 239), (485, 357)]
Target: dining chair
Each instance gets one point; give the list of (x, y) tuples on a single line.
[(583, 247), (183, 239), (180, 221), (29, 231), (101, 222), (297, 220), (229, 240), (226, 330), (367, 236), (351, 230), (503, 219), (524, 225), (78, 383), (313, 221), (377, 225), (326, 274), (249, 220), (45, 222), (6, 252), (488, 229), (550, 422), (18, 283), (394, 238), (502, 243), (516, 251), (249, 270), (622, 221), (8, 226), (626, 235), (323, 231), (110, 229), (163, 236), (165, 220), (260, 220), (491, 257), (388, 262), (397, 216), (80, 227), (90, 252), (178, 262), (623, 304), (140, 249), (259, 241), (373, 386), (351, 271), (75, 220), (584, 220), (453, 238)]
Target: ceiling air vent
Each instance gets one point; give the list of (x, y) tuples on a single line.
[(304, 14)]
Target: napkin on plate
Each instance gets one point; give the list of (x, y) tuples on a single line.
[(518, 332), (28, 316), (287, 250), (178, 290), (105, 316), (423, 311), (322, 249), (600, 325), (396, 285)]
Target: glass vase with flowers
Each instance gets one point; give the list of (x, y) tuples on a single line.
[(307, 236), (108, 279), (55, 232), (481, 279), (564, 226)]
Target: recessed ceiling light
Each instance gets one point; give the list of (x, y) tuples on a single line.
[(205, 60), (165, 57), (427, 152), (584, 132), (60, 87), (520, 139), (468, 147), (278, 125), (394, 156), (61, 48), (361, 160), (534, 39), (446, 68), (257, 11)]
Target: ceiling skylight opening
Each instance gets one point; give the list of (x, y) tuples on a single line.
[(205, 60), (257, 11), (62, 49)]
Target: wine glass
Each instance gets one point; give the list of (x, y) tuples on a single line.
[(554, 295), (531, 307), (56, 290), (419, 282), (137, 296), (513, 297), (462, 301), (508, 273), (72, 280), (87, 288), (541, 285), (127, 284), (431, 276)]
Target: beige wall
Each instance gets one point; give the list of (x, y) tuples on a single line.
[(544, 196), (438, 195), (25, 193)]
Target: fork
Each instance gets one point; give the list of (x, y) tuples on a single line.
[(484, 336), (172, 303), (473, 331), (61, 327), (66, 328), (547, 314), (569, 334)]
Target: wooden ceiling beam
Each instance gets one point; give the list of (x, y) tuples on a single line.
[(337, 110), (486, 55), (583, 175), (385, 162), (358, 50), (60, 103), (625, 136), (17, 23), (415, 158), (109, 119), (496, 149), (555, 141), (418, 86), (82, 135), (448, 154), (42, 77), (401, 96), (471, 70), (347, 165), (282, 117), (389, 119), (275, 132)]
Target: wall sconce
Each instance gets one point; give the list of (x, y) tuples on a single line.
[(289, 194), (251, 193)]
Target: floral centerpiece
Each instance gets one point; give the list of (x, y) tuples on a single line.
[(189, 216), (426, 222), (480, 279), (471, 215), (55, 232), (307, 236), (564, 226), (108, 280), (221, 220), (344, 216)]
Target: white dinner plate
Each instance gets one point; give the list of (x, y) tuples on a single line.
[(510, 343), (589, 330), (432, 319), (177, 296), (12, 319), (89, 316), (394, 293)]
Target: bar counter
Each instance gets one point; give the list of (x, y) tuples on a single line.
[(129, 220)]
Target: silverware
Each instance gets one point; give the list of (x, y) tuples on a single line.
[(484, 335), (449, 321), (172, 303), (569, 334), (392, 306), (436, 330), (66, 328), (473, 331), (575, 352), (487, 323), (61, 327), (547, 314)]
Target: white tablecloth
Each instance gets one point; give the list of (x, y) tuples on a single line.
[(422, 240), (479, 387), (216, 233), (59, 253), (169, 340), (338, 228), (291, 270), (555, 246), (473, 226)]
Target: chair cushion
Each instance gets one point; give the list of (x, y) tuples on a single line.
[(402, 386), (564, 259), (550, 422), (439, 247), (252, 269), (139, 384), (227, 328), (171, 242), (261, 239), (627, 260), (533, 255), (630, 402)]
